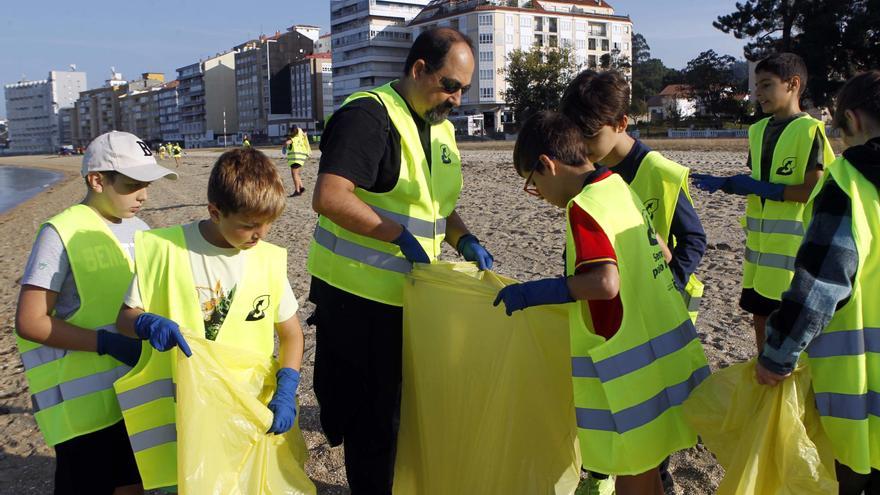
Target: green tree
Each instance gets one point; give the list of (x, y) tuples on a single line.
[(648, 75), (835, 38), (711, 78), (536, 79)]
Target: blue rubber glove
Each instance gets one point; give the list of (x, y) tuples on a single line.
[(534, 293), (283, 403), (412, 250), (162, 333), (745, 184), (708, 183), (469, 248), (124, 349)]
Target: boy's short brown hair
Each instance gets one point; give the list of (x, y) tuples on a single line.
[(552, 134), (245, 181), (862, 92), (785, 66), (595, 99)]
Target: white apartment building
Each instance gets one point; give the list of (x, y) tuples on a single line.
[(370, 41), (498, 27), (32, 110), (169, 115), (205, 94)]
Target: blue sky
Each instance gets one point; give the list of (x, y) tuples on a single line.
[(40, 35)]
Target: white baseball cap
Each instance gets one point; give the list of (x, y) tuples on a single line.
[(125, 153)]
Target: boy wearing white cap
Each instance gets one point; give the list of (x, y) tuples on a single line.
[(72, 288)]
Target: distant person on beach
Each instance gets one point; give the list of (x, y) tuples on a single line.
[(597, 102), (626, 308), (161, 151), (176, 151), (78, 271), (297, 150), (388, 183), (245, 142), (788, 152), (212, 264), (831, 307)]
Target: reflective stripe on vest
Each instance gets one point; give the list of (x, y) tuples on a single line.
[(627, 390), (847, 406), (844, 359), (361, 254), (139, 396), (659, 183), (72, 391), (635, 358), (423, 197), (641, 414), (153, 437), (770, 260), (79, 387), (791, 227)]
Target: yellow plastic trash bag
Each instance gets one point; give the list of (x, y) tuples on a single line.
[(222, 419), (487, 403), (768, 439)]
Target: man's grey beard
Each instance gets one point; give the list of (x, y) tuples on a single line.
[(438, 114)]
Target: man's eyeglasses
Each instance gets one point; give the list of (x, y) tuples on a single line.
[(530, 187), (451, 86)]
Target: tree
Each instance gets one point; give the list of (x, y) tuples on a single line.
[(641, 52), (536, 79), (711, 78), (835, 38), (648, 75)]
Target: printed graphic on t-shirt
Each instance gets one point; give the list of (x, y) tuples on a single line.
[(215, 308)]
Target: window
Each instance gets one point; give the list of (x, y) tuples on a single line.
[(626, 29), (508, 21), (485, 20), (625, 46), (580, 26), (539, 39), (565, 25), (487, 74), (566, 42), (525, 41), (554, 25), (592, 59), (592, 43), (539, 23), (486, 38), (488, 92), (604, 45), (580, 44), (487, 56), (508, 38), (553, 41), (525, 21)]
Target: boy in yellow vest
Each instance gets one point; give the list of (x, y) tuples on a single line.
[(78, 270), (176, 150), (161, 151), (788, 152), (219, 278), (830, 310), (635, 352), (597, 102)]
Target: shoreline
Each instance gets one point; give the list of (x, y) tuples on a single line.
[(37, 162)]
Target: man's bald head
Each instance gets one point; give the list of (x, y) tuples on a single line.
[(432, 46)]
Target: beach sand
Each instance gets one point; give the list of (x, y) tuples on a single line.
[(525, 235)]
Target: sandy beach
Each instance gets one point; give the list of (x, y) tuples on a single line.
[(525, 235)]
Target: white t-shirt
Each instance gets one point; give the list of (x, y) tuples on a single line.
[(216, 272)]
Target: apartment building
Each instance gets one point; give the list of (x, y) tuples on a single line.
[(206, 91), (96, 111), (498, 27), (139, 107), (311, 86), (370, 41), (169, 115), (32, 110), (262, 79)]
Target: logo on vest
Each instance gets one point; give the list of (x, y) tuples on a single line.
[(787, 167), (652, 205), (444, 154), (261, 304), (146, 149)]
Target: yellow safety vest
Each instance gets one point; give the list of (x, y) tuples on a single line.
[(299, 150), (147, 393), (245, 144), (421, 200), (658, 182), (774, 229), (176, 150), (628, 390), (72, 391), (845, 357)]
